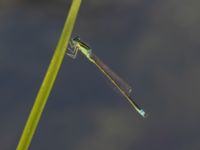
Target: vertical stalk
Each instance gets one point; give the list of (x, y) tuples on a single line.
[(49, 79)]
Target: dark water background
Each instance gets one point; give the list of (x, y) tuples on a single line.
[(154, 45)]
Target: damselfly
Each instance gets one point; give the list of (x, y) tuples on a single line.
[(77, 45)]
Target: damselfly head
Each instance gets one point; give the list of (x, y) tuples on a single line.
[(77, 39)]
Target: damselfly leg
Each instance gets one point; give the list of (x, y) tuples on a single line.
[(72, 49)]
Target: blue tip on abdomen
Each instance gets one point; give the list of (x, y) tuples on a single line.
[(142, 113)]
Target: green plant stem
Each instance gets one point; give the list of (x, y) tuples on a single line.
[(49, 79)]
